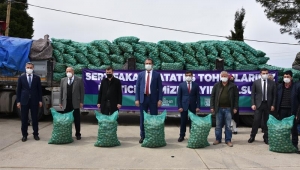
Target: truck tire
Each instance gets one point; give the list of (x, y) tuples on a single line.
[(247, 120)]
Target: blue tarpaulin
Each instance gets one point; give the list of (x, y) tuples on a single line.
[(14, 54)]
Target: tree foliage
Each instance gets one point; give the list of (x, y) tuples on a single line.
[(238, 33), (286, 13), (21, 24)]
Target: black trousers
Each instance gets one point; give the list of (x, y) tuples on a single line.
[(76, 114), (184, 120), (286, 112), (34, 108), (261, 113)]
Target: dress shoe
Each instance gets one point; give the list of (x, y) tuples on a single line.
[(235, 133), (252, 139), (36, 137), (24, 139), (266, 141), (78, 137), (298, 152), (216, 142), (141, 140), (180, 139), (229, 144)]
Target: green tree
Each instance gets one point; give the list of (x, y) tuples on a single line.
[(21, 24), (286, 13), (238, 33)]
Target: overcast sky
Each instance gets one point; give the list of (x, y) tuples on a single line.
[(203, 16)]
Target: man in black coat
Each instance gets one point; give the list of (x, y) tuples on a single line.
[(110, 93)]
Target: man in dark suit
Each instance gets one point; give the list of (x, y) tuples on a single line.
[(71, 97), (263, 99), (29, 96), (148, 93), (187, 99), (110, 93)]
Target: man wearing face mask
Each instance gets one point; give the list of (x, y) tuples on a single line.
[(110, 93), (71, 97), (263, 99), (148, 93), (288, 101), (187, 99), (224, 102), (29, 96)]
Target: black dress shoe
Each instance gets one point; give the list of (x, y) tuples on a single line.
[(298, 152), (235, 133), (180, 139), (78, 137), (252, 139), (36, 137), (24, 139), (141, 140), (266, 141)]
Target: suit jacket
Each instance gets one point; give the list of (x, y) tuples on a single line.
[(115, 91), (24, 91), (256, 93), (186, 99), (155, 87), (77, 92), (295, 97)]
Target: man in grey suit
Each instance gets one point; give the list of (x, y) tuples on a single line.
[(263, 99), (71, 97)]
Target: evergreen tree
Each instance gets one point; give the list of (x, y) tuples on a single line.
[(238, 33)]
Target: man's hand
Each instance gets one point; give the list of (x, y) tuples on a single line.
[(81, 105), (212, 110), (180, 110), (40, 104), (234, 111), (98, 105), (253, 107), (272, 108), (197, 110), (137, 103), (18, 105), (119, 106), (60, 106), (159, 103)]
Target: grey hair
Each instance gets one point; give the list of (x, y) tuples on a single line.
[(70, 68), (224, 72)]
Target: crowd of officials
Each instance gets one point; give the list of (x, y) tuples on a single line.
[(267, 98)]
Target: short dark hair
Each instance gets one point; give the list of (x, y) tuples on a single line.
[(30, 63), (189, 72), (263, 69), (288, 72), (149, 59), (109, 68)]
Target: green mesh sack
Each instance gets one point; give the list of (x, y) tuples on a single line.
[(70, 50), (166, 58), (102, 67), (93, 60), (191, 67), (78, 75), (102, 46), (117, 59), (92, 49), (200, 130), (80, 48), (125, 47), (127, 39), (117, 66), (211, 58), (139, 66), (280, 134), (69, 59), (60, 68), (240, 58), (164, 49), (269, 67), (80, 58), (202, 59), (58, 46), (228, 59), (104, 58), (178, 57), (154, 130), (173, 45), (140, 58), (138, 48), (62, 127), (189, 59), (246, 47), (78, 68), (221, 47), (198, 48), (251, 58), (58, 56), (239, 66), (171, 66), (152, 49), (107, 130), (58, 76), (229, 67), (210, 49), (280, 79), (127, 55), (296, 73), (114, 49), (260, 53), (233, 47), (64, 41), (187, 49), (263, 60)]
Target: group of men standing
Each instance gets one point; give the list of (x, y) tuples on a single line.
[(266, 97)]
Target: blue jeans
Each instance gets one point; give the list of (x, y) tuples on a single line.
[(223, 116)]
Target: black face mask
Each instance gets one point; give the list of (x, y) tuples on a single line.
[(109, 76)]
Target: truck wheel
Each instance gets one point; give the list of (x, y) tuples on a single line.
[(247, 120)]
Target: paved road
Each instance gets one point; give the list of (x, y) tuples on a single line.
[(15, 154)]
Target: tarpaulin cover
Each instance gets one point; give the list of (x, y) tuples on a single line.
[(14, 53)]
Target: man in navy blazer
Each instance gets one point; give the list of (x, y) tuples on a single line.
[(187, 99), (148, 93), (29, 96)]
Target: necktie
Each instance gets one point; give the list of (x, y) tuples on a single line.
[(70, 81), (189, 87), (147, 83), (29, 80), (264, 92)]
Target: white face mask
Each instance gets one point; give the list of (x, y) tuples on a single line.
[(287, 80), (69, 75), (188, 78), (148, 66), (29, 71), (224, 79), (264, 76)]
